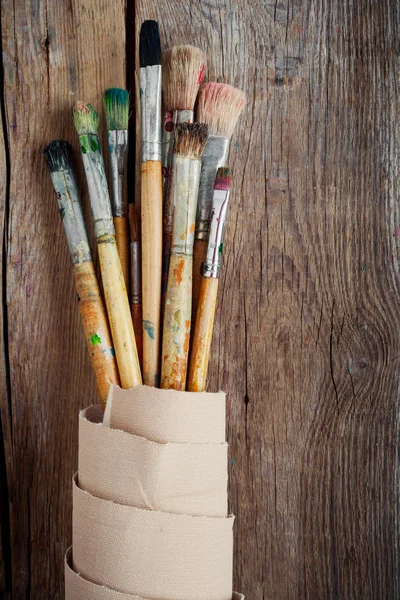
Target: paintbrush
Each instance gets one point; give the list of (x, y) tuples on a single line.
[(58, 155), (136, 280), (151, 197), (190, 141), (219, 105), (183, 71), (200, 350), (86, 121), (116, 105)]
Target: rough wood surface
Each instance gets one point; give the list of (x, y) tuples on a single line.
[(306, 340), (53, 54)]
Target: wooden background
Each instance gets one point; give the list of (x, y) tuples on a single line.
[(307, 339)]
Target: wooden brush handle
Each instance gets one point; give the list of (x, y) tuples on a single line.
[(136, 310), (119, 314), (176, 330), (96, 329), (122, 237), (151, 269), (199, 257), (167, 239), (203, 330)]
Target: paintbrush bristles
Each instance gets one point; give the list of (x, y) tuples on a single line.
[(149, 44), (86, 119), (183, 71), (190, 139), (58, 155), (219, 105), (116, 106), (223, 179)]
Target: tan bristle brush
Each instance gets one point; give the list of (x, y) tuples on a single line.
[(58, 155), (183, 72), (203, 329), (219, 106), (86, 121), (190, 140)]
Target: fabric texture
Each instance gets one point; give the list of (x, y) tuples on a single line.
[(186, 479), (167, 415), (149, 553), (78, 588)]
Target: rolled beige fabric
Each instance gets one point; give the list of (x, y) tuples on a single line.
[(167, 415), (149, 553), (186, 479), (78, 588)]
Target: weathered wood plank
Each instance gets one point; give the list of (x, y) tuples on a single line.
[(306, 344), (53, 54)]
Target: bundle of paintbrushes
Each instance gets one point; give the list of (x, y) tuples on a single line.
[(159, 263)]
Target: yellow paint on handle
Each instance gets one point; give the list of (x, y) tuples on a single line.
[(122, 237), (199, 257), (176, 330), (200, 352), (151, 201), (119, 313), (96, 329)]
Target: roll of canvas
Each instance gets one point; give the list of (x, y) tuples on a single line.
[(167, 415), (78, 588), (149, 553), (186, 479)]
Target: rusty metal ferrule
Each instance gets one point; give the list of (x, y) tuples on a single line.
[(150, 108), (214, 156), (185, 177), (118, 146), (217, 225)]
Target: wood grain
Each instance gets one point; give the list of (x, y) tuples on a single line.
[(53, 54), (306, 339)]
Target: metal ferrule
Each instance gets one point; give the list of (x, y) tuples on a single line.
[(71, 214), (118, 146), (97, 185), (217, 224), (136, 281), (185, 177), (172, 118), (214, 156), (150, 107)]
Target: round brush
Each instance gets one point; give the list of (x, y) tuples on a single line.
[(58, 155), (116, 105), (190, 140), (86, 121), (219, 105), (200, 350)]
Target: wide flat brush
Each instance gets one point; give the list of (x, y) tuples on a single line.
[(151, 197), (200, 350), (86, 122), (190, 140), (219, 105), (116, 105), (183, 71), (58, 155), (136, 280)]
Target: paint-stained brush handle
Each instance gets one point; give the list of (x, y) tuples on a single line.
[(122, 237), (203, 330), (151, 207), (119, 315), (136, 298), (199, 257), (176, 330), (96, 329)]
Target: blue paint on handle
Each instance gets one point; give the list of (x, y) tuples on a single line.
[(148, 326)]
